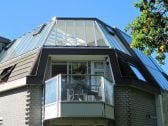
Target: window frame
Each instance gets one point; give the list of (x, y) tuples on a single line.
[(133, 74), (4, 76)]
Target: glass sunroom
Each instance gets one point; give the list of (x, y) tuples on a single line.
[(78, 82), (81, 85)]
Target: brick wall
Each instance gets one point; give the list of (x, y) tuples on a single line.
[(22, 106), (13, 107), (34, 106), (134, 107)]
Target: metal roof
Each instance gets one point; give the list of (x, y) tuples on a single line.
[(79, 32), (152, 66)]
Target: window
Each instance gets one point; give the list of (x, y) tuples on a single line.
[(8, 46), (137, 73), (99, 65), (70, 33), (165, 75), (76, 33), (39, 30), (6, 73), (130, 70), (79, 68), (126, 70)]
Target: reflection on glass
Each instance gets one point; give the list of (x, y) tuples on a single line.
[(99, 38), (137, 73), (108, 91), (90, 33), (61, 28), (70, 33), (79, 91), (50, 92), (75, 33), (99, 65), (80, 33), (79, 68)]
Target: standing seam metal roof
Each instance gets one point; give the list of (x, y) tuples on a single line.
[(57, 33)]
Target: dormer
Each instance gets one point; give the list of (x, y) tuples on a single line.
[(3, 42)]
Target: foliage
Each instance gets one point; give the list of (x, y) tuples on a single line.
[(149, 30)]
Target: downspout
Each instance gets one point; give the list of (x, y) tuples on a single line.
[(159, 109)]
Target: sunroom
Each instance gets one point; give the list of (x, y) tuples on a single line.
[(81, 84)]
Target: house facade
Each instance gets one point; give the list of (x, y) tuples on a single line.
[(78, 72)]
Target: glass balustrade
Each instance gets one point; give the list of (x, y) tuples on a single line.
[(78, 88)]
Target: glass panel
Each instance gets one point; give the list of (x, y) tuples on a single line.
[(75, 33), (131, 71), (87, 91), (99, 38), (61, 33), (99, 73), (70, 25), (108, 71), (80, 33), (80, 90), (108, 92), (79, 68), (50, 91), (137, 73), (90, 33), (99, 65)]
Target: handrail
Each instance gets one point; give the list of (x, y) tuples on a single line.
[(94, 88), (83, 75)]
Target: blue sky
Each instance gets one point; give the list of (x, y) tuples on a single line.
[(20, 16)]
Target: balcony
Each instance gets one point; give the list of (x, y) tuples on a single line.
[(78, 96)]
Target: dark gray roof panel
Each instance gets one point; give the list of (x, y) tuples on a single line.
[(150, 64), (26, 43)]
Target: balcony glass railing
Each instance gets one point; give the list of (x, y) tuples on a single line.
[(78, 88)]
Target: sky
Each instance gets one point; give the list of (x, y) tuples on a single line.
[(20, 16)]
